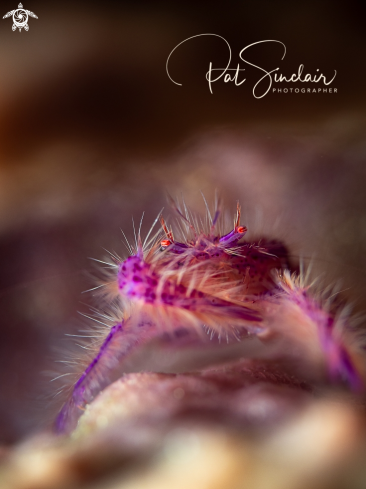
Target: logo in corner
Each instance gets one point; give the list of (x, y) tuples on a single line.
[(20, 18)]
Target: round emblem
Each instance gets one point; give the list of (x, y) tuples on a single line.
[(20, 18)]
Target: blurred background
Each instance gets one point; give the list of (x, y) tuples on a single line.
[(93, 132)]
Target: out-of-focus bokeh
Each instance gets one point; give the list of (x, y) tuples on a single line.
[(93, 132)]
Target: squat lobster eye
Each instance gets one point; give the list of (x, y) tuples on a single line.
[(165, 243), (241, 229)]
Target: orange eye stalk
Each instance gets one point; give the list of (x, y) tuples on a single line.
[(237, 227), (168, 233)]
